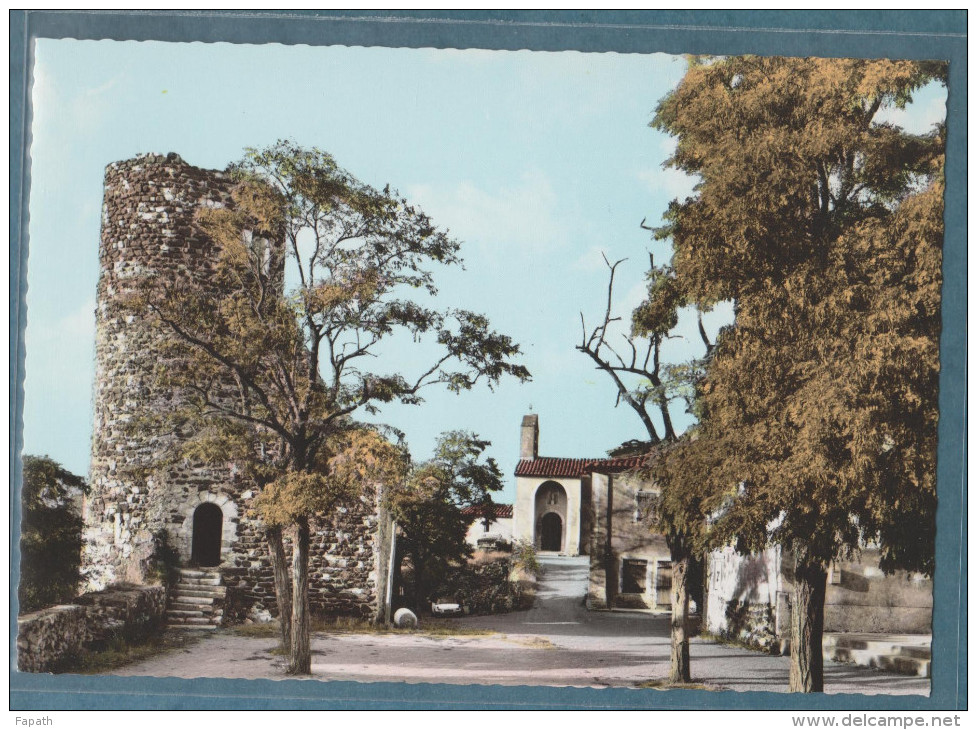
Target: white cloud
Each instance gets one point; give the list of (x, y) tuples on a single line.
[(101, 89), (592, 260), (630, 301), (42, 87), (60, 355), (668, 145), (60, 369), (66, 117), (669, 182), (916, 118), (502, 221)]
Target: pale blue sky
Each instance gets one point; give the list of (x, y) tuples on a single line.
[(537, 162)]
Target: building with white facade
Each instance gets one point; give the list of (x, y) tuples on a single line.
[(487, 531), (601, 507)]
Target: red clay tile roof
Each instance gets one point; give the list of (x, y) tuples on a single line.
[(546, 466), (502, 511)]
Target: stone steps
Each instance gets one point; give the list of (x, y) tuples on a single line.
[(200, 591), (207, 581), (198, 573), (195, 598), (186, 614), (898, 654), (191, 623)]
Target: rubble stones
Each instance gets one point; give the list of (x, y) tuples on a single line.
[(51, 636), (259, 616)]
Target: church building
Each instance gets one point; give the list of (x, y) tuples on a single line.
[(599, 507), (605, 509)]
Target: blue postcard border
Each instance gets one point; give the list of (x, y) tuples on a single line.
[(938, 34)]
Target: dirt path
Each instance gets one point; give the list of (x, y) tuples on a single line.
[(557, 643)]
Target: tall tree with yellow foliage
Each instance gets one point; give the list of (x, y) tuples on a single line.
[(273, 379), (824, 225)]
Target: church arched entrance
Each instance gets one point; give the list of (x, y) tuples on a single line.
[(551, 532), (207, 527), (551, 517)]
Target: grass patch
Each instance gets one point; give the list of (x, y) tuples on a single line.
[(257, 631), (119, 652), (347, 625), (726, 640), (665, 684), (533, 642)]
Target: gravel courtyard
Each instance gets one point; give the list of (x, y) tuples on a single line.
[(558, 642)]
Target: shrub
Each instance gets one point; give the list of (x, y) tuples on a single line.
[(486, 586), (524, 558), (50, 534), (165, 560)]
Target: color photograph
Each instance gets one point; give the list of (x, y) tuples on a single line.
[(482, 367)]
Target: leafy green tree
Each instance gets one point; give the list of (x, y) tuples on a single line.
[(271, 380), (50, 534), (430, 508), (824, 224)]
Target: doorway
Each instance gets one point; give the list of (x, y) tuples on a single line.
[(207, 528), (551, 533)]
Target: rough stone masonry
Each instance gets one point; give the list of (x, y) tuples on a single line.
[(148, 230)]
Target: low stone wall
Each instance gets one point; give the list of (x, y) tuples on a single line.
[(861, 598), (48, 638)]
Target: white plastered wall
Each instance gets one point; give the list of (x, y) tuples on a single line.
[(524, 515)]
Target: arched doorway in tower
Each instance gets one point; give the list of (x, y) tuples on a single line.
[(551, 532), (208, 525)]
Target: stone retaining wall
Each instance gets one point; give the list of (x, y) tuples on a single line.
[(49, 638)]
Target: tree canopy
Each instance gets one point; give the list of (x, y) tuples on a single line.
[(824, 225), (50, 534), (270, 375), (430, 507)]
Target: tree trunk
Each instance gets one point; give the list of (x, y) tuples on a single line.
[(283, 585), (807, 628), (300, 656), (680, 671)]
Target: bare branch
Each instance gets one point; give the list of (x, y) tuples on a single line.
[(702, 333), (623, 393)]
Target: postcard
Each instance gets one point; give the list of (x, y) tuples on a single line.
[(489, 368)]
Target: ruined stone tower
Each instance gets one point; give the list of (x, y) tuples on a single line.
[(199, 516)]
